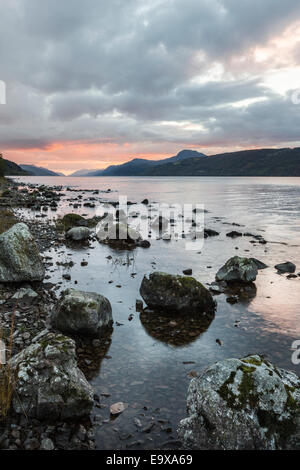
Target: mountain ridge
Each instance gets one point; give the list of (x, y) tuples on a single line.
[(39, 170), (138, 166), (259, 162)]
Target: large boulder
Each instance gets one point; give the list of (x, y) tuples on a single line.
[(84, 313), (78, 234), (118, 235), (20, 259), (177, 294), (238, 269), (242, 404), (49, 384), (73, 220)]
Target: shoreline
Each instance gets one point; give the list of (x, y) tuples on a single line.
[(19, 433)]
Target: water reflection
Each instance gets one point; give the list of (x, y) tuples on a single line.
[(244, 293), (172, 329), (90, 354)]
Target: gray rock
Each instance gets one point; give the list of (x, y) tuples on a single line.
[(25, 292), (287, 267), (78, 234), (242, 404), (176, 294), (117, 232), (238, 269), (80, 312), (47, 444), (49, 385), (19, 256)]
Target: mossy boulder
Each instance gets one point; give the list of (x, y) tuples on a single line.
[(72, 220), (20, 259), (49, 385), (238, 269), (84, 313), (243, 404), (177, 294)]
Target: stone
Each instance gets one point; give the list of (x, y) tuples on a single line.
[(47, 444), (118, 235), (188, 272), (49, 385), (73, 220), (144, 244), (242, 404), (287, 267), (78, 234), (234, 234), (238, 269), (79, 312), (20, 259), (208, 232), (177, 294), (25, 292)]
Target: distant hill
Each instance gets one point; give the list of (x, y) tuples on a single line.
[(39, 171), (262, 162), (141, 166), (12, 169), (83, 172)]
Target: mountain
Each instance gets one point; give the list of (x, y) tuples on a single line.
[(83, 172), (141, 166), (39, 171), (12, 169), (262, 162)]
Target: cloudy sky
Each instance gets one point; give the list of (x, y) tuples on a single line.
[(95, 82)]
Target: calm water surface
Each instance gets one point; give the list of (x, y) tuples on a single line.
[(144, 362)]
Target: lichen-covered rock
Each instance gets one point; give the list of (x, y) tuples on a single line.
[(49, 384), (78, 234), (84, 313), (177, 294), (243, 404), (238, 269), (19, 256)]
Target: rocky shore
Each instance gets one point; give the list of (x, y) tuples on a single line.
[(56, 334)]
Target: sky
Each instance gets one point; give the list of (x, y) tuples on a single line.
[(98, 82)]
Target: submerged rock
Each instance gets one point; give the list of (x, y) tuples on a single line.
[(49, 384), (287, 267), (20, 259), (242, 404), (238, 269), (84, 313), (78, 234), (177, 294)]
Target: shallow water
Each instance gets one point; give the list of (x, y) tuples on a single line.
[(144, 361)]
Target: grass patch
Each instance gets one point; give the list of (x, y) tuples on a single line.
[(7, 376)]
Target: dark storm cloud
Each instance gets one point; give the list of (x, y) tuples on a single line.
[(113, 70)]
